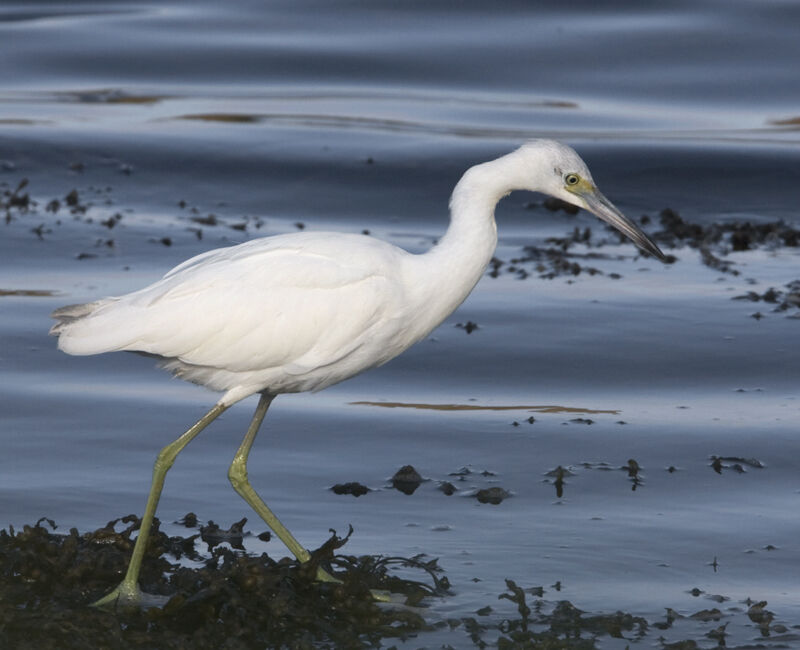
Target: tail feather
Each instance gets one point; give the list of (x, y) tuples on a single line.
[(84, 329), (70, 313)]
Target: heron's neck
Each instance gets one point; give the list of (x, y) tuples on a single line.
[(471, 238), (453, 266)]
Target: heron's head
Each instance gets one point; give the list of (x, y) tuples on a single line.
[(555, 169)]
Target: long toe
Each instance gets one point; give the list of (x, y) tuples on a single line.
[(324, 576), (127, 596)]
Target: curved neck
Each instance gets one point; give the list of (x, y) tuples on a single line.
[(471, 238), (447, 273)]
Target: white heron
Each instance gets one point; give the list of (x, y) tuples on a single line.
[(302, 311)]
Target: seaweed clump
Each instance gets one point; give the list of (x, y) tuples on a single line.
[(565, 627), (231, 600)]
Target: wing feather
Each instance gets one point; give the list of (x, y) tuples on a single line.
[(290, 301)]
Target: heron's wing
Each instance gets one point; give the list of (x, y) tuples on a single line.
[(251, 308)]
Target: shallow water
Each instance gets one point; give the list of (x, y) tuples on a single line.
[(364, 118)]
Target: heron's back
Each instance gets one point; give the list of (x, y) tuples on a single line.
[(287, 313)]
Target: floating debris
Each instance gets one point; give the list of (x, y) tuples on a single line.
[(718, 463), (468, 327), (558, 475), (633, 468), (213, 535), (783, 300)]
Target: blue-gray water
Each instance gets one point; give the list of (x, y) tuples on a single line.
[(356, 115)]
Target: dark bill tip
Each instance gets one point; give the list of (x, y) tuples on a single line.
[(602, 208)]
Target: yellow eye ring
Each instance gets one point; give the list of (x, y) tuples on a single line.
[(572, 179)]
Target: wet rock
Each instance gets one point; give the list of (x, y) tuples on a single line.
[(406, 479), (209, 220), (461, 472), (448, 488), (352, 488), (72, 199), (761, 616), (494, 495), (707, 615), (189, 520)]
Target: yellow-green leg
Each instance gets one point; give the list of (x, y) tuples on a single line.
[(237, 473), (127, 593)]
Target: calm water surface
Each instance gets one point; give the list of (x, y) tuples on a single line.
[(363, 116)]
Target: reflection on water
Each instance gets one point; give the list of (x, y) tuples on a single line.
[(32, 293), (477, 407)]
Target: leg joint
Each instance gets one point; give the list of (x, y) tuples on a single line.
[(166, 457), (237, 473)]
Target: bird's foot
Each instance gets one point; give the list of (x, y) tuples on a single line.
[(128, 596), (380, 595), (324, 576), (384, 596)]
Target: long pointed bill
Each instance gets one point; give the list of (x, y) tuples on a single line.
[(601, 207)]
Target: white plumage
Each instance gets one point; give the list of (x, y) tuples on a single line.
[(287, 313), (303, 311)]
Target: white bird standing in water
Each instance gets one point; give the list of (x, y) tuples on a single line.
[(303, 311)]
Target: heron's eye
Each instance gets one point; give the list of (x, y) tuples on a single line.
[(572, 179)]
